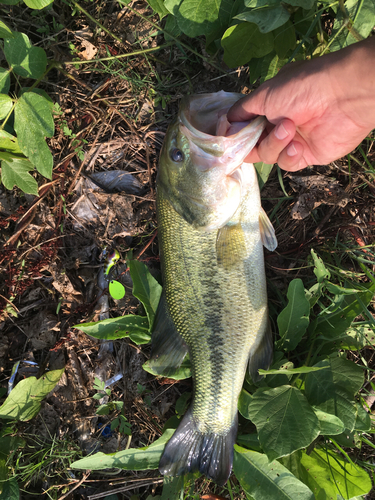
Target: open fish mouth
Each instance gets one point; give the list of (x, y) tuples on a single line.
[(203, 121)]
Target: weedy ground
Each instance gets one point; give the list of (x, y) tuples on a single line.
[(113, 115)]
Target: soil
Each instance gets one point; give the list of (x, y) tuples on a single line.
[(51, 245)]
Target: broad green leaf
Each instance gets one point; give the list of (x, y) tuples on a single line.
[(363, 420), (332, 390), (305, 4), (265, 480), (320, 270), (255, 72), (6, 104), (266, 18), (244, 41), (4, 80), (115, 328), (271, 65), (291, 371), (172, 6), (23, 403), (145, 288), (15, 172), (10, 2), (171, 28), (33, 122), (284, 39), (333, 321), (26, 61), (329, 424), (173, 488), (132, 459), (263, 171), (182, 403), (356, 25), (158, 7), (184, 371), (9, 143), (10, 490), (5, 31), (326, 471), (37, 4), (284, 419), (249, 441), (357, 337), (261, 3), (8, 444), (140, 337), (198, 17), (293, 463), (294, 319)]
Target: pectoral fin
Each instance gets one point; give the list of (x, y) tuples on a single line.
[(230, 245), (262, 356), (167, 346), (267, 232)]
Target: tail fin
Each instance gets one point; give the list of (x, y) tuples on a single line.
[(190, 450)]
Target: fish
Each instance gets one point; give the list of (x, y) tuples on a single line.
[(211, 231)]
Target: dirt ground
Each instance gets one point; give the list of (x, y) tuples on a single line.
[(51, 245)]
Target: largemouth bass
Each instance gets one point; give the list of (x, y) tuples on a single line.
[(214, 304)]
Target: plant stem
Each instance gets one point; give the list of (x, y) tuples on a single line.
[(77, 6), (121, 56)]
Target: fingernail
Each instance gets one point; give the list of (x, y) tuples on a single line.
[(281, 132), (291, 150)]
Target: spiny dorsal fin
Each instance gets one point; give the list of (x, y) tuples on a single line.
[(230, 245), (167, 346), (267, 232)]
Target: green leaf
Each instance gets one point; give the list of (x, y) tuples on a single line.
[(284, 39), (333, 321), (6, 104), (184, 371), (171, 28), (271, 65), (244, 401), (329, 424), (132, 459), (326, 471), (363, 420), (291, 371), (265, 480), (26, 61), (244, 41), (33, 122), (158, 7), (4, 80), (182, 403), (320, 270), (332, 390), (23, 403), (266, 18), (255, 72), (172, 6), (249, 441), (294, 319), (284, 419), (355, 25), (38, 4), (263, 171), (5, 31), (198, 17), (115, 328), (145, 288), (173, 488), (10, 490), (9, 143), (15, 172), (305, 4)]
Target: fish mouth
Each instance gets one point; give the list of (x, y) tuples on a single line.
[(203, 121)]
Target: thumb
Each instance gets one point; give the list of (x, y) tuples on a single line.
[(248, 107)]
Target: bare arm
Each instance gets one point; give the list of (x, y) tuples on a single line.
[(317, 110)]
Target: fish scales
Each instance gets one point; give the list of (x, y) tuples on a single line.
[(214, 301)]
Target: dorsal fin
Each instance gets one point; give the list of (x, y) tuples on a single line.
[(267, 232)]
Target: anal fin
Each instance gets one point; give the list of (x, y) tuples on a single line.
[(262, 356), (167, 346)]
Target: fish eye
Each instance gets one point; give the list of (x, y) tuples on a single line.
[(176, 155)]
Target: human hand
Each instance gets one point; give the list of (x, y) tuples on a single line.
[(317, 110)]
